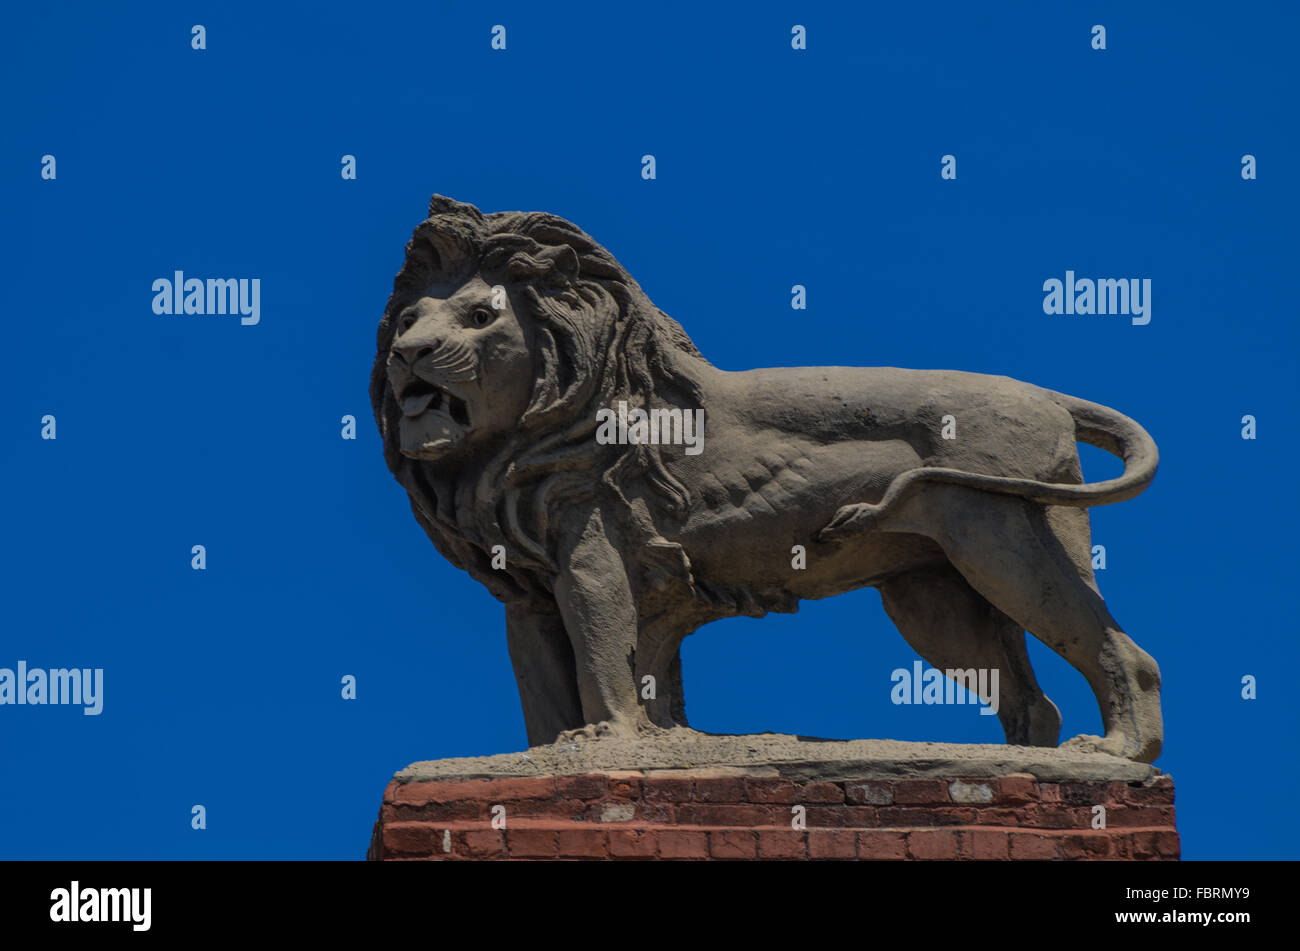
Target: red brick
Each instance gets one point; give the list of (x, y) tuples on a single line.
[(932, 844), (416, 794), (411, 837), (1013, 789), (724, 814), (659, 813), (459, 811), (524, 787), (1060, 817), (832, 844), (988, 844), (820, 792), (683, 844), (1167, 844), (892, 817), (483, 843), (878, 844), (1032, 846), (581, 843), (1077, 794), (531, 843), (421, 858), (1089, 794), (841, 817), (564, 810), (823, 793), (1157, 794), (782, 844), (1130, 816), (720, 789), (952, 815), (1120, 847), (731, 844), (625, 784), (771, 791), (581, 787), (1085, 845), (1022, 816), (662, 789), (494, 790), (738, 814), (917, 791), (1142, 843), (631, 843)]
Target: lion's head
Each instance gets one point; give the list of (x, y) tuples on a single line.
[(502, 337)]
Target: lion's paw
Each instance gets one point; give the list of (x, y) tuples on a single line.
[(623, 728), (589, 732), (1117, 745), (850, 520)]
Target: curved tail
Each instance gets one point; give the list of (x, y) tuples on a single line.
[(1095, 425), (1120, 436)]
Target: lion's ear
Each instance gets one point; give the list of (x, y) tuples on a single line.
[(442, 205), (565, 260)]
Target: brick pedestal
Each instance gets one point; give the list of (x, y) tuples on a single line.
[(737, 814)]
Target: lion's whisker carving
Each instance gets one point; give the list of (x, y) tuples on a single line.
[(447, 361), (615, 553)]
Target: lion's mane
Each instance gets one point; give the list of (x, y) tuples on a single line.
[(599, 340)]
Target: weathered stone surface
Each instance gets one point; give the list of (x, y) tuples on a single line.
[(509, 343), (773, 755)]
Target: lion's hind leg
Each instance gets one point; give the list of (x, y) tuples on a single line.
[(1008, 551), (947, 622)]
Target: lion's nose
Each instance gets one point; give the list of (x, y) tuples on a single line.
[(412, 353)]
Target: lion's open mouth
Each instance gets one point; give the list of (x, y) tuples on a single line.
[(419, 396)]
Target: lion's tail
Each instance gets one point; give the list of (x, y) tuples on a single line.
[(1120, 436), (1094, 424)]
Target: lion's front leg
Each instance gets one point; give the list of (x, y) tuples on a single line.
[(597, 604), (544, 670)]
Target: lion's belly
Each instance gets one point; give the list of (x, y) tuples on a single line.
[(752, 518)]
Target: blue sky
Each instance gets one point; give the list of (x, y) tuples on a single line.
[(775, 168)]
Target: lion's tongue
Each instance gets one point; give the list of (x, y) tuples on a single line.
[(415, 405)]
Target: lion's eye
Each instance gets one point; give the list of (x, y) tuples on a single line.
[(481, 317)]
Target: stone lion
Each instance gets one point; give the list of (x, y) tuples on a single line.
[(506, 335)]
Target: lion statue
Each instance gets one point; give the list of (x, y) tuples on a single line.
[(958, 495)]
